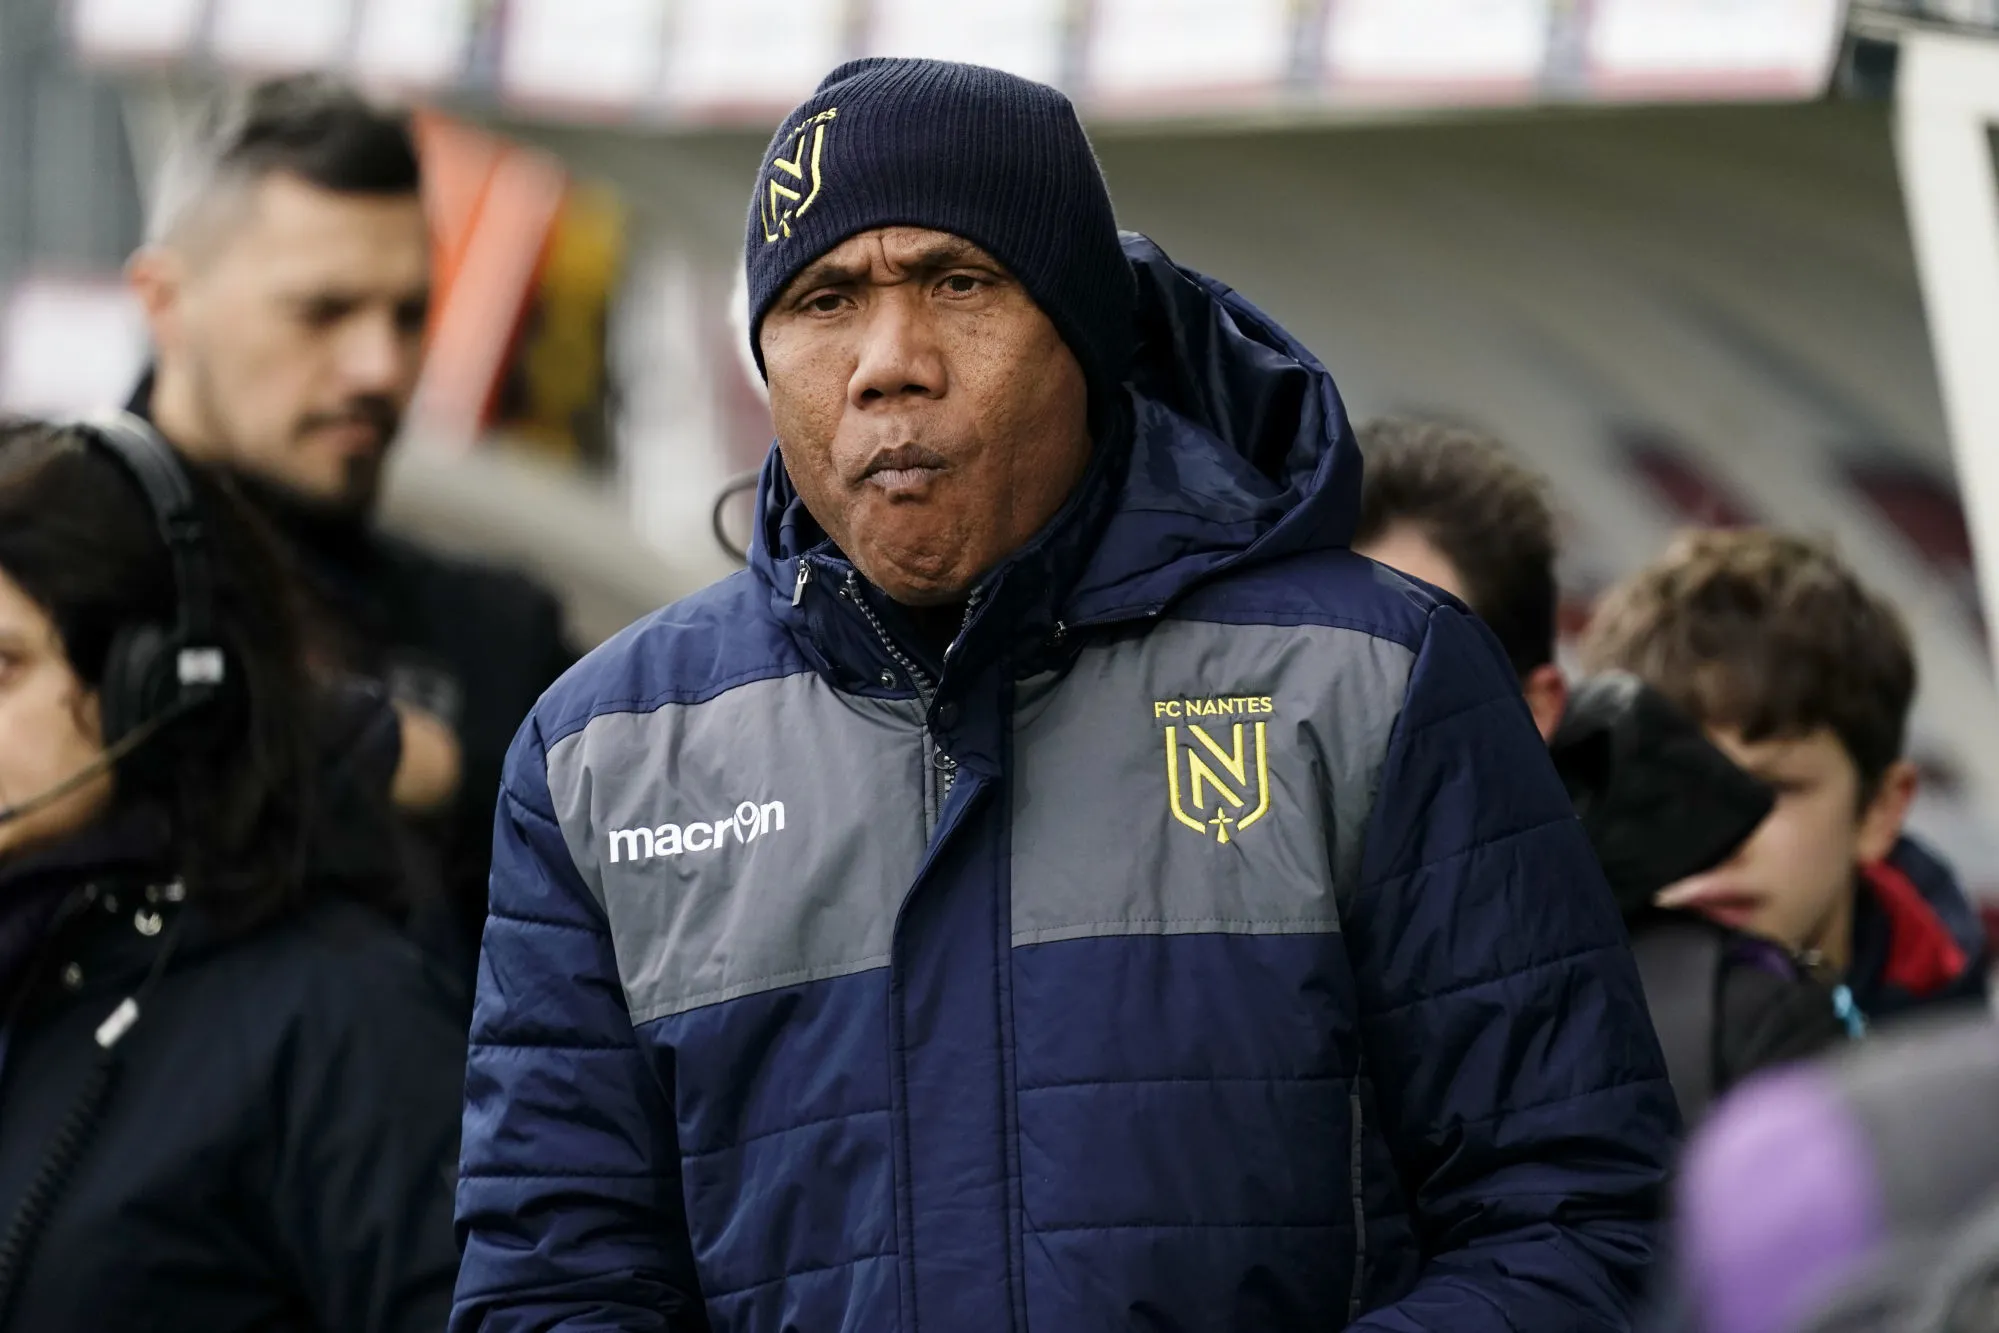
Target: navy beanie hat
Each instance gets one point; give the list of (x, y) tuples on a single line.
[(994, 158)]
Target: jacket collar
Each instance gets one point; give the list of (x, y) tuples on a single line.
[(128, 844), (132, 840), (1903, 949)]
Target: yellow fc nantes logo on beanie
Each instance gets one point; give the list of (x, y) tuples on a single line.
[(975, 153), (794, 182)]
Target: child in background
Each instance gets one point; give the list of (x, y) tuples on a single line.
[(1661, 803), (1804, 678)]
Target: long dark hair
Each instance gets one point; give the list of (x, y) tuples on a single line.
[(236, 778)]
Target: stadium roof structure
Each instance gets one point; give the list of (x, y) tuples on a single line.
[(696, 63)]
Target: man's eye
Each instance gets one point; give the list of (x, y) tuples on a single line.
[(324, 314), (825, 303), (961, 284)]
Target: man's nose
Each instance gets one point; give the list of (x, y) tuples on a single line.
[(375, 355), (899, 355)]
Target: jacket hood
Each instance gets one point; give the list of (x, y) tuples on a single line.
[(1232, 446)]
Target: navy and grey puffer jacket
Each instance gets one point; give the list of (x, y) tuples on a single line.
[(1204, 943)]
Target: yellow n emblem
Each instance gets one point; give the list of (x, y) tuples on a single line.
[(1236, 779), (795, 181)]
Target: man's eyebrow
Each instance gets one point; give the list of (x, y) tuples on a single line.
[(354, 296), (825, 273), (950, 254), (830, 272)]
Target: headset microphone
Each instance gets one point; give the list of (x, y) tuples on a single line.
[(89, 773)]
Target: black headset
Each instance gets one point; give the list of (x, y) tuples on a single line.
[(155, 674)]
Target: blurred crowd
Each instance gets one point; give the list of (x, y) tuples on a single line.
[(250, 747), (1733, 744)]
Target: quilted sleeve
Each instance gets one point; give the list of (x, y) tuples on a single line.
[(1521, 1087), (569, 1197)]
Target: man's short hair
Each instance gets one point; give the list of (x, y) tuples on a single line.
[(1486, 512), (307, 125), (1768, 634)]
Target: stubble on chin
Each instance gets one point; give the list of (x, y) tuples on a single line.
[(924, 567)]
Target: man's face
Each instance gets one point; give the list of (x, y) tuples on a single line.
[(930, 415), (1792, 881), (49, 727), (291, 328)]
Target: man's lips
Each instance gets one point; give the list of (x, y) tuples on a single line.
[(354, 437), (906, 467)]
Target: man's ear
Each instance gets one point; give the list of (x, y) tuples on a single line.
[(1881, 819), (157, 275), (1547, 693)]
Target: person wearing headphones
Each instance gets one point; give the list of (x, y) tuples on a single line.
[(229, 1087)]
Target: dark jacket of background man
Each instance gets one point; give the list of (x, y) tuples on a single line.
[(285, 282), (468, 643)]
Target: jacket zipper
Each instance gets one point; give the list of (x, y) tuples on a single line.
[(935, 760), (937, 792), (925, 691), (1357, 1183), (933, 802)]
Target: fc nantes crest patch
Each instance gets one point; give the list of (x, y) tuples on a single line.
[(794, 182), (1217, 763)]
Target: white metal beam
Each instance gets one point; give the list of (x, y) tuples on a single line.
[(1948, 104)]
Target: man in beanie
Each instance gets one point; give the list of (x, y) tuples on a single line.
[(1058, 885)]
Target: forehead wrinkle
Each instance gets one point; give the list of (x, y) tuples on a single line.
[(945, 251)]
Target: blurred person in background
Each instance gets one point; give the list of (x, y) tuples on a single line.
[(1660, 803), (228, 1085), (285, 282), (855, 962), (1856, 1195), (1451, 506), (1804, 678)]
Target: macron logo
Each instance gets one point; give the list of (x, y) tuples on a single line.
[(751, 821)]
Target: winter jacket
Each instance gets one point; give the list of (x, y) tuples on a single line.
[(276, 1148), (1727, 1005), (1204, 942)]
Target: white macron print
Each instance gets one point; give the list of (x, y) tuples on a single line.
[(751, 821)]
